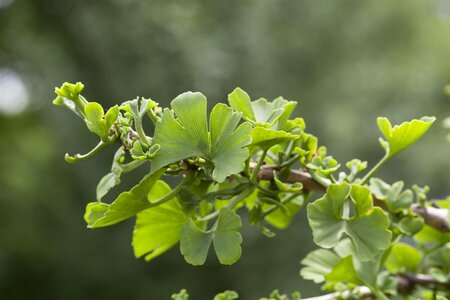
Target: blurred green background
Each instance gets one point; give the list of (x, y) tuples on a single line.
[(346, 62)]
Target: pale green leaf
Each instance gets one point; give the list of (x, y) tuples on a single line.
[(403, 258), (111, 179), (187, 136), (402, 136), (344, 271), (95, 211), (317, 264), (266, 138), (262, 112), (69, 97), (367, 229), (227, 295), (97, 121), (240, 101), (158, 228)]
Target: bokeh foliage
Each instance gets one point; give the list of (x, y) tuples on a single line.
[(346, 63)]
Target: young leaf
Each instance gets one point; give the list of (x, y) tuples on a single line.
[(225, 235), (403, 258), (266, 138), (158, 228), (367, 229), (240, 101), (317, 264), (402, 136), (395, 199), (98, 122), (262, 112), (227, 295), (187, 136), (127, 204), (69, 97)]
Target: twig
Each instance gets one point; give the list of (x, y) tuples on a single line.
[(434, 217)]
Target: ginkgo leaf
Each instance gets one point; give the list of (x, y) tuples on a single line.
[(225, 236), (186, 135), (262, 112), (127, 204), (69, 97), (403, 258), (97, 121), (158, 228), (317, 264), (266, 138), (402, 136), (367, 229)]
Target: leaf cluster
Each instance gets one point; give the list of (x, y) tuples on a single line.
[(252, 155)]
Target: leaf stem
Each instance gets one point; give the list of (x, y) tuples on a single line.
[(186, 180), (77, 157), (290, 162), (132, 165), (275, 207), (375, 169), (235, 201), (255, 172)]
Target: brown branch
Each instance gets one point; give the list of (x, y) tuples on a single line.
[(434, 217), (407, 282)]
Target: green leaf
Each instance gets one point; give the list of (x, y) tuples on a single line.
[(225, 236), (262, 112), (403, 258), (344, 271), (187, 136), (227, 295), (240, 101), (429, 234), (317, 264), (402, 136), (182, 295), (410, 225), (139, 154), (111, 179), (95, 211), (158, 228), (395, 199), (98, 122), (282, 218), (129, 203), (266, 138), (70, 98), (438, 263), (367, 229)]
